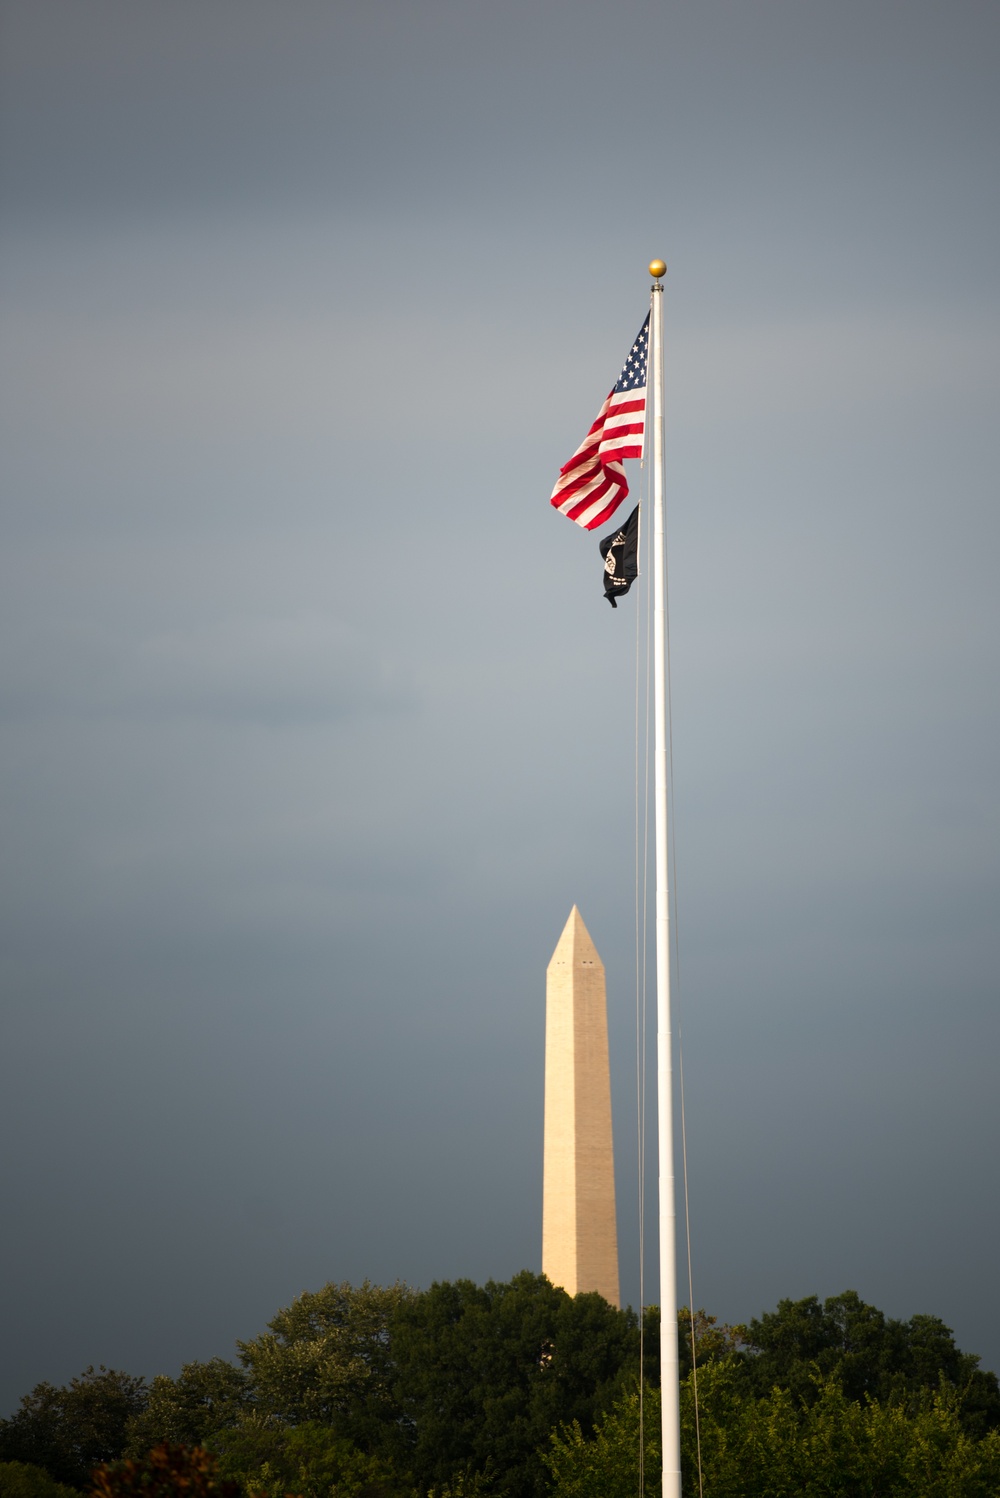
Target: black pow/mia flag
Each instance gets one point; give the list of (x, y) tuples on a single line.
[(621, 559)]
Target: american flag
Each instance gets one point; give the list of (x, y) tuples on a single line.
[(592, 484)]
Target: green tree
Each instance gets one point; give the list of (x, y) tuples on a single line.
[(485, 1372), (605, 1464), (328, 1359), (189, 1410), (870, 1355), (930, 1355), (22, 1480), (778, 1446), (71, 1430), (164, 1472), (309, 1460), (944, 1460)]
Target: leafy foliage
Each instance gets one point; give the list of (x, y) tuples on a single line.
[(307, 1460), (192, 1409), (383, 1392), (777, 1446), (165, 1472), (606, 1464), (71, 1430), (485, 1372), (870, 1355), (22, 1480), (328, 1358)]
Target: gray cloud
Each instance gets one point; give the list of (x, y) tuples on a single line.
[(275, 671), (314, 723)]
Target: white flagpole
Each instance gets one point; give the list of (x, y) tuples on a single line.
[(669, 1368)]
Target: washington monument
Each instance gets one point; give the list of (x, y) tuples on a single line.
[(579, 1231)]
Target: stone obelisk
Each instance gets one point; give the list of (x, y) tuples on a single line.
[(579, 1230)]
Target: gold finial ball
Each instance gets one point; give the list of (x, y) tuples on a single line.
[(657, 268)]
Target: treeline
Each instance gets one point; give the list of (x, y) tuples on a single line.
[(517, 1390)]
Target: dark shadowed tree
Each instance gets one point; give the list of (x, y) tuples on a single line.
[(206, 1398), (310, 1461), (21, 1480), (165, 1472), (71, 1430), (485, 1373), (930, 1356), (869, 1354)]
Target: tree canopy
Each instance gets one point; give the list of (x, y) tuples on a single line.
[(204, 1400), (22, 1480), (485, 1372), (71, 1430), (328, 1358), (779, 1445), (870, 1355), (518, 1390)]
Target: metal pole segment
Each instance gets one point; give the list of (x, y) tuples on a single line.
[(669, 1367)]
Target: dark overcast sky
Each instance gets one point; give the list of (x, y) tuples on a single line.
[(314, 724)]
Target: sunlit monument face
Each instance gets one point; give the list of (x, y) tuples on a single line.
[(579, 1233)]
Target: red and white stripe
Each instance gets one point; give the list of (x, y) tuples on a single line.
[(593, 484)]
